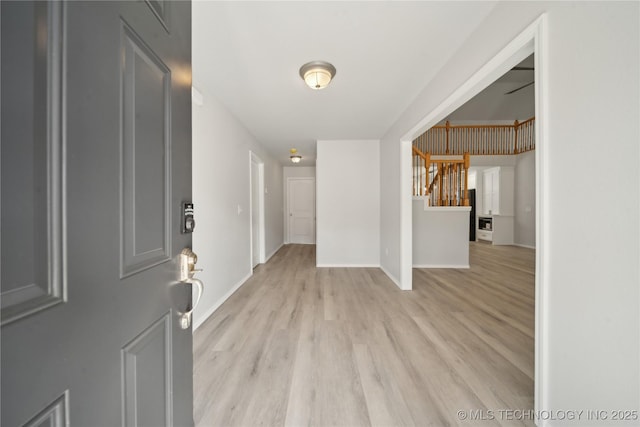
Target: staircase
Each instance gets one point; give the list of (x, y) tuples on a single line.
[(443, 179), (441, 156)]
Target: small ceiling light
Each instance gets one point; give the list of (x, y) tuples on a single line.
[(317, 74), (295, 157)]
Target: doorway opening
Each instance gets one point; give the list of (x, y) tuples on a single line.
[(530, 41), (257, 210)]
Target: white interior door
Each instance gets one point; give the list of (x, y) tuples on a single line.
[(301, 193)]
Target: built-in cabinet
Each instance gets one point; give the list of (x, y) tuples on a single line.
[(497, 198), (496, 220)]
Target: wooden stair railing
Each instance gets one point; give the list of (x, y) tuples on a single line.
[(476, 140), (443, 179)]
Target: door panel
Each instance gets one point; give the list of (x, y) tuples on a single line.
[(54, 415), (113, 353), (147, 376), (32, 275), (146, 176), (302, 211)]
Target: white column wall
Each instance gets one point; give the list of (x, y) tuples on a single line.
[(348, 203)]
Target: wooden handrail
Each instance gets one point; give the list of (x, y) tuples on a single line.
[(472, 126), (526, 122), (419, 153), (433, 183), (451, 139)]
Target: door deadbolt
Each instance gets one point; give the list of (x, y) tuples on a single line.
[(188, 221)]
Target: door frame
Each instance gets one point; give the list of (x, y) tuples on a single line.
[(287, 218), (254, 159), (533, 39)]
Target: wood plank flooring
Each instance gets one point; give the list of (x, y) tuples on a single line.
[(300, 345)]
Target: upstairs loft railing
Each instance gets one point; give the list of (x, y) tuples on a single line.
[(450, 139), (443, 179)]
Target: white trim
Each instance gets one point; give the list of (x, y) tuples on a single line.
[(255, 159), (441, 266), (392, 277), (524, 246), (197, 98), (268, 257), (542, 280), (221, 301), (262, 210), (347, 265)]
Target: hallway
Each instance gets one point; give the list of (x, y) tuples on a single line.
[(300, 345)]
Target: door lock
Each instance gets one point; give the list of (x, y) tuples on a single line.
[(188, 221), (188, 260)]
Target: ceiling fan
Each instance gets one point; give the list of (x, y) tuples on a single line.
[(521, 87)]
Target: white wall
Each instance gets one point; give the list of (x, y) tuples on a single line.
[(524, 200), (390, 203), (348, 203), (221, 184), (298, 171), (292, 172), (440, 236), (590, 325)]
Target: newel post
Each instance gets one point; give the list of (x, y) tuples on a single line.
[(516, 125)]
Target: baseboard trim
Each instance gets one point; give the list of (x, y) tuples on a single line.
[(348, 265), (524, 246), (441, 266), (221, 301), (273, 253), (391, 276)]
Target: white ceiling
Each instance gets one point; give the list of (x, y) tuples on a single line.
[(248, 55)]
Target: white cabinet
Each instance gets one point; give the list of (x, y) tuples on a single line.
[(497, 191), (497, 203), (484, 235)]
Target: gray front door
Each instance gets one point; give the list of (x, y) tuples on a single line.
[(96, 162)]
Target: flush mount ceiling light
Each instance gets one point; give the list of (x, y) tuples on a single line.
[(295, 157), (317, 74)]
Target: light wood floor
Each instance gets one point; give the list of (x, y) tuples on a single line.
[(300, 345)]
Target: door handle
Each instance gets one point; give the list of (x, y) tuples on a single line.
[(188, 260)]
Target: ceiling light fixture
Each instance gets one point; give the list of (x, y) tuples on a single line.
[(317, 74), (295, 157)]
